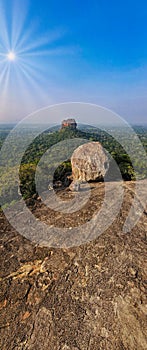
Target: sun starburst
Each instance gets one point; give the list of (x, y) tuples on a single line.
[(26, 64)]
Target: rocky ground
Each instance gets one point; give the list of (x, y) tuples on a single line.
[(89, 297)]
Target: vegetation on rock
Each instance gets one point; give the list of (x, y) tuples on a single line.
[(51, 137)]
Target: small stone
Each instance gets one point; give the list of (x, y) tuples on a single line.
[(104, 333), (75, 186), (26, 315), (132, 272)]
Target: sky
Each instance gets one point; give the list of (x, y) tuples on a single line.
[(67, 51)]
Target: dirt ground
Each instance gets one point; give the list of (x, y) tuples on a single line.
[(87, 297)]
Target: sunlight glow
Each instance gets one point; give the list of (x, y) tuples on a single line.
[(25, 60), (11, 56)]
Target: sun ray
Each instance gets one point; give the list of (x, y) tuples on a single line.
[(30, 74), (48, 39), (26, 78), (63, 50), (25, 36), (18, 22), (22, 72), (5, 83), (2, 75), (4, 36), (3, 59)]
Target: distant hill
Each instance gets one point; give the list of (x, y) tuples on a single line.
[(53, 136)]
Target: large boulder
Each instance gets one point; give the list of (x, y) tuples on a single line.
[(89, 162)]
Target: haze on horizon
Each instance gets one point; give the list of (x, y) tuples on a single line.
[(93, 52)]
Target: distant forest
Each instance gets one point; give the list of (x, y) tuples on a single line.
[(45, 141)]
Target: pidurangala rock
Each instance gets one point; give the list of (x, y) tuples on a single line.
[(89, 162)]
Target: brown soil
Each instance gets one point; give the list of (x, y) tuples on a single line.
[(91, 297)]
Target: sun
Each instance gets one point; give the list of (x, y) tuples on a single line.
[(11, 56), (24, 54)]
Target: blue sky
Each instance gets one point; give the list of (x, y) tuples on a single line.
[(90, 51)]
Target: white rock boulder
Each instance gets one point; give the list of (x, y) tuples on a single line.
[(89, 162)]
